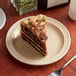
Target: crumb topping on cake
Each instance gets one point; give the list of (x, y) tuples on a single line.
[(37, 25)]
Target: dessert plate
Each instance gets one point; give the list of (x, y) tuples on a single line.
[(58, 44), (2, 18)]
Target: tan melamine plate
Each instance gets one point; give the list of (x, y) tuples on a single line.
[(58, 44)]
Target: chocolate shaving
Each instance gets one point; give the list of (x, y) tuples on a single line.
[(43, 37)]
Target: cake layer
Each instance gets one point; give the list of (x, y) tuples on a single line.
[(33, 30), (25, 30), (33, 43)]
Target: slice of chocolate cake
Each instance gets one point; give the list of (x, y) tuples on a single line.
[(33, 30)]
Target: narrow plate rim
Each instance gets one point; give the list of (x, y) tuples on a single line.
[(4, 17)]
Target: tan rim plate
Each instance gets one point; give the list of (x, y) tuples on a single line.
[(58, 44)]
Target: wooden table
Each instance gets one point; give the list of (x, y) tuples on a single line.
[(11, 67)]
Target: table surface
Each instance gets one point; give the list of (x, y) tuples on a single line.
[(11, 67)]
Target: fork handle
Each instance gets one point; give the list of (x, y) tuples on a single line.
[(69, 61)]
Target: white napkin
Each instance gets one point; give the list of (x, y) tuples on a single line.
[(2, 18)]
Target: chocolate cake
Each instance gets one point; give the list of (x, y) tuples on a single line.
[(33, 30)]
